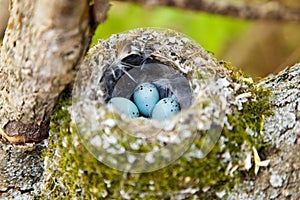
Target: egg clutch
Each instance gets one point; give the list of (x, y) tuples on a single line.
[(147, 103), (140, 85)]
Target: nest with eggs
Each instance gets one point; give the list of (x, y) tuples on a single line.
[(179, 68)]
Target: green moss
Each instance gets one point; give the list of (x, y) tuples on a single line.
[(77, 174)]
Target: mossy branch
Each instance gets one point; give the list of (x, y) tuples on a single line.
[(82, 176), (243, 156)]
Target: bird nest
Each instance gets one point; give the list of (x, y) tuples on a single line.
[(179, 68)]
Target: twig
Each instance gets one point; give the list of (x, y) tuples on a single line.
[(264, 11)]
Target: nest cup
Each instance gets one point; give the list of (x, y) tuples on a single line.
[(179, 68)]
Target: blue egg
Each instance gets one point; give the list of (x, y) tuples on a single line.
[(165, 108), (125, 106), (145, 97)]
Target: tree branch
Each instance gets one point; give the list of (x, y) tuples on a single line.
[(43, 44), (265, 11), (281, 132)]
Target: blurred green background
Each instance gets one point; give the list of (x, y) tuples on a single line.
[(259, 48)]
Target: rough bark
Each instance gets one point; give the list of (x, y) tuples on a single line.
[(43, 43), (21, 170), (281, 180), (263, 11)]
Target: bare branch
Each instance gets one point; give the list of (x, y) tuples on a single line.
[(265, 11), (43, 44)]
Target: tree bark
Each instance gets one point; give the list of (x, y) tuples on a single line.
[(21, 170), (43, 43), (281, 180)]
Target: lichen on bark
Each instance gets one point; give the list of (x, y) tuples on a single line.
[(281, 180)]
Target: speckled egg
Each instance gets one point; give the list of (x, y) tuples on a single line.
[(165, 108), (145, 97), (125, 106)]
